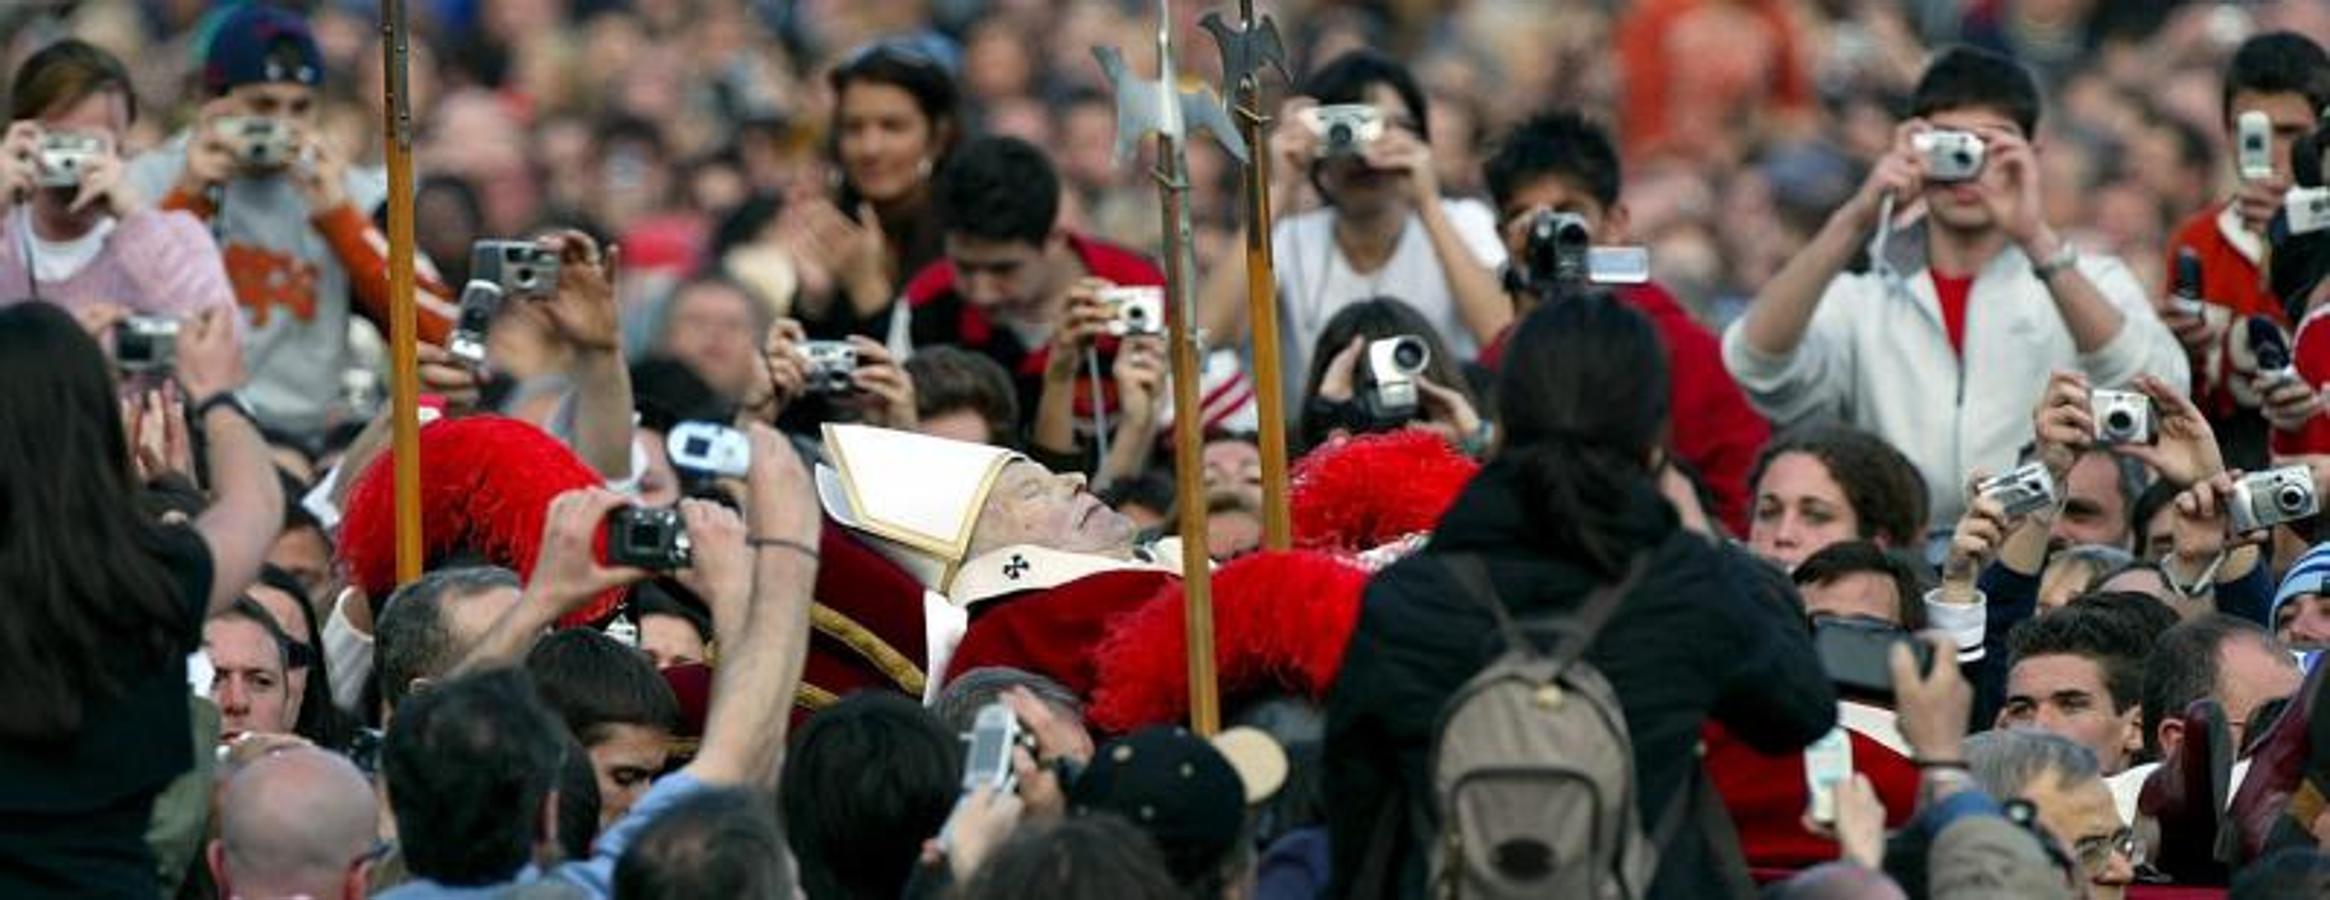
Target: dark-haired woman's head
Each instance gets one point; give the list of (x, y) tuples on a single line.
[(895, 118), (89, 604), (1828, 483), (865, 783), (1362, 323), (1582, 410), (1097, 855)]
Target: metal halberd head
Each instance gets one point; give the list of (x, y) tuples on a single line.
[(1246, 49), (1141, 108)]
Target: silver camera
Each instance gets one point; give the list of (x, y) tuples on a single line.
[(1394, 364), (831, 365), (2023, 491), (1344, 129), (481, 301), (2308, 209), (146, 344), (2273, 497), (2121, 417), (994, 734), (520, 268), (258, 142), (2254, 144), (651, 538), (63, 157), (1950, 155), (1135, 310)]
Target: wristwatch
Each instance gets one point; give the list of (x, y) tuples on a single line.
[(2063, 259), (227, 399)]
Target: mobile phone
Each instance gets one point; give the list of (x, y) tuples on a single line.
[(1857, 653), (2253, 145), (1827, 763)]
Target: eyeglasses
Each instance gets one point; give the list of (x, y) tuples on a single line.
[(2095, 852)]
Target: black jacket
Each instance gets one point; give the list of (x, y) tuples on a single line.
[(1695, 638)]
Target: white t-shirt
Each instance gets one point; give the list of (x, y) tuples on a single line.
[(1315, 281), (54, 261)]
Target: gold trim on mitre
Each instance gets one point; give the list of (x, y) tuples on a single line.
[(948, 553)]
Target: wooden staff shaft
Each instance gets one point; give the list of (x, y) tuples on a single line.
[(403, 317), (1262, 317), (1188, 438)]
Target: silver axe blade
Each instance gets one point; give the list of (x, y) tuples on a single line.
[(1140, 111), (1246, 49)]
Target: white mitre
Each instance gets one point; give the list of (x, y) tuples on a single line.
[(913, 498)]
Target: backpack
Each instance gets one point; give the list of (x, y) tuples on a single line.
[(1532, 771)]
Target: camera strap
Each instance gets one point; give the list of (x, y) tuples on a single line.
[(24, 246), (1099, 408)]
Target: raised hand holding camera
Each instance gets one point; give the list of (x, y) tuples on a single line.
[(2183, 448), (566, 570)]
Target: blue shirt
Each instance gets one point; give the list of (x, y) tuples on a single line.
[(595, 876)]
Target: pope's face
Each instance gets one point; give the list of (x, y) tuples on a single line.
[(1030, 505)]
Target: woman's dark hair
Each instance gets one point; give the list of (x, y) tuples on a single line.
[(90, 605), (1887, 493), (593, 683), (866, 782), (905, 66), (66, 73), (1377, 318), (1093, 855), (1582, 402), (320, 720), (1864, 557)]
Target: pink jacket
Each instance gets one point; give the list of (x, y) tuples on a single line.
[(160, 263)]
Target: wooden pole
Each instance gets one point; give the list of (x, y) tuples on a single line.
[(403, 317), (1262, 303), (1188, 441)]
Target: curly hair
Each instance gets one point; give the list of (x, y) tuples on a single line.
[(1887, 494)]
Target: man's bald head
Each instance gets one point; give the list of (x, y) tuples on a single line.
[(294, 823)]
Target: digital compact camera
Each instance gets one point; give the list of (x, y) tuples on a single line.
[(258, 142), (146, 344), (63, 156), (1136, 309), (2121, 417), (1950, 155), (1393, 364), (651, 538), (709, 448), (831, 365), (1343, 129), (2273, 497), (481, 301), (2023, 491), (519, 268)]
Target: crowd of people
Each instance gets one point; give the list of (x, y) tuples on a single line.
[(1741, 447)]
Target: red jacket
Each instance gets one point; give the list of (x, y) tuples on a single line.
[(1767, 797), (1715, 430), (2232, 279)]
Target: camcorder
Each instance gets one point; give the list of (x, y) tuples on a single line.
[(146, 344), (519, 268), (2023, 491), (709, 448), (1393, 365), (63, 156), (2253, 145), (651, 538), (1856, 652), (2270, 349), (1950, 156), (2308, 209), (258, 142), (1343, 129), (2273, 497), (831, 365), (1135, 309), (481, 302), (1559, 254), (2121, 417)]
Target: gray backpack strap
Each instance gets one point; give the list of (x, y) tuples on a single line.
[(1472, 577)]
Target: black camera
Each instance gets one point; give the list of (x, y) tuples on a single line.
[(146, 344), (1857, 652), (651, 538), (1559, 256)]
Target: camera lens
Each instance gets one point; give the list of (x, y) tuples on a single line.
[(1339, 134), (1136, 314), (1408, 354), (2119, 421), (645, 534), (2290, 499), (698, 446)]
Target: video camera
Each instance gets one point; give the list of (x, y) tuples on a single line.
[(1559, 255)]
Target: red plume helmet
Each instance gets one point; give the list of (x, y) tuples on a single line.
[(486, 483), (1362, 492)]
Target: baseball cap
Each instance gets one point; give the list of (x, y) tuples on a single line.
[(1188, 793), (244, 50)]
